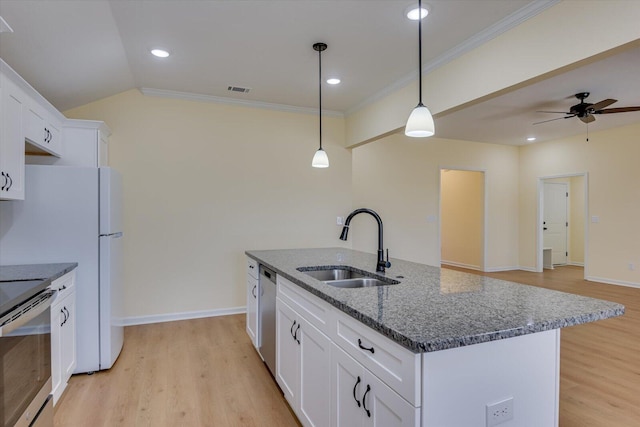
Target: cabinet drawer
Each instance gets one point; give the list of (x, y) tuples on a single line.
[(313, 309), (64, 285), (398, 367), (252, 268)]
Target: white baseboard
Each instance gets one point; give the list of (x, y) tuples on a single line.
[(461, 265), (613, 281), (531, 269), (171, 317), (498, 269), (577, 264)]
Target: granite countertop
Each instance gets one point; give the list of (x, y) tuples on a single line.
[(435, 309), (24, 272)]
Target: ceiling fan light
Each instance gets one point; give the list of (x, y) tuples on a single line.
[(320, 159), (420, 123)]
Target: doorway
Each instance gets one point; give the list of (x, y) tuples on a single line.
[(462, 218), (562, 229)]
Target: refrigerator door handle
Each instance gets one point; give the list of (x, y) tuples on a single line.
[(114, 235)]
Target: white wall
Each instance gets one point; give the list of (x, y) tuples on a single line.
[(399, 177), (203, 183)]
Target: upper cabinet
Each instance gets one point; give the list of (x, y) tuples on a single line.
[(28, 123), (11, 141), (41, 129)]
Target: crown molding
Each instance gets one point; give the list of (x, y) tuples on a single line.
[(237, 102), (489, 33)]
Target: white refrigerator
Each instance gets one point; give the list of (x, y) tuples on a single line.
[(74, 214)]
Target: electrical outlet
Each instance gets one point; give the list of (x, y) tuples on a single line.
[(339, 220), (498, 413), (632, 266)]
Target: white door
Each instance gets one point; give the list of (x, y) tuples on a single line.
[(315, 376), (554, 227)]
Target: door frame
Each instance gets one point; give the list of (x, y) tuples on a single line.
[(540, 218), (485, 204)]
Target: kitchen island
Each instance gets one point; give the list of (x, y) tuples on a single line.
[(483, 350)]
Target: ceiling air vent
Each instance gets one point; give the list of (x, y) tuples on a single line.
[(238, 89)]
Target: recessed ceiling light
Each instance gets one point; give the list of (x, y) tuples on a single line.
[(412, 12), (333, 81), (160, 53), (531, 138)]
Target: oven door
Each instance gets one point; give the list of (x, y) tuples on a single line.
[(25, 362)]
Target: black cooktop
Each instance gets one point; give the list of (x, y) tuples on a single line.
[(14, 293)]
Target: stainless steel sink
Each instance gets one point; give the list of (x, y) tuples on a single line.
[(346, 277)]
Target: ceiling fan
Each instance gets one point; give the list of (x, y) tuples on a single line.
[(585, 111)]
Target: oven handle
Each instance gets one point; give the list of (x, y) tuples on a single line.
[(45, 297)]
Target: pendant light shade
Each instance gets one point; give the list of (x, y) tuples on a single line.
[(420, 123), (320, 159)]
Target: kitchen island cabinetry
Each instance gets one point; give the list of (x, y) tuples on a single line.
[(303, 364), (252, 301), (63, 333), (440, 348)]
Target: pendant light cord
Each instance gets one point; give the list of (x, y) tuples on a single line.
[(419, 52), (320, 93)]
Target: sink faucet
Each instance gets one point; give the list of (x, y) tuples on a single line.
[(382, 264)]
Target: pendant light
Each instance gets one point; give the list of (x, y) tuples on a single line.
[(320, 159), (420, 123)]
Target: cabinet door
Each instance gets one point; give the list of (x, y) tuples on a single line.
[(57, 320), (252, 310), (34, 127), (11, 142), (53, 138), (315, 376), (68, 342), (348, 386), (385, 408), (287, 352)]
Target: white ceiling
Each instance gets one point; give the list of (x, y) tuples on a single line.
[(75, 52)]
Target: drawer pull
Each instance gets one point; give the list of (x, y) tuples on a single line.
[(354, 391), (293, 326), (364, 404), (371, 349), (296, 335), (253, 292)]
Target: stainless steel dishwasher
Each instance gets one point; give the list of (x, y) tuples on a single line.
[(267, 321)]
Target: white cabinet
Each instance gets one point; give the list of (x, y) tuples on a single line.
[(41, 129), (11, 140), (303, 366), (63, 333), (360, 398), (252, 301)]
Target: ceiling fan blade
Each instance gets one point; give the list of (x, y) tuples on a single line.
[(617, 110), (587, 119), (602, 104), (560, 112), (559, 118)]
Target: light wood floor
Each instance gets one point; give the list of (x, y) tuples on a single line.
[(191, 373), (205, 372)]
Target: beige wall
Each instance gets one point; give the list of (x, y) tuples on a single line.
[(611, 160), (204, 182), (399, 178), (462, 217)]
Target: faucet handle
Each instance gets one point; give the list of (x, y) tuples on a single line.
[(387, 264)]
